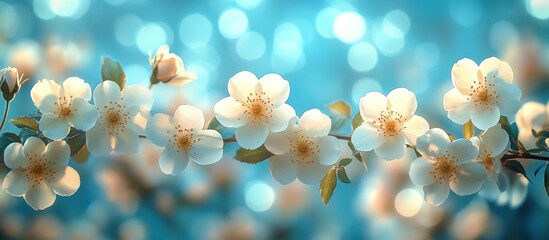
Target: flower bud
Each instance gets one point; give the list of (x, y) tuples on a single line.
[(169, 68), (10, 82)]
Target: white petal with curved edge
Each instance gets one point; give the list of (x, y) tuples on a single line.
[(14, 157), (279, 143), (172, 162), (509, 98), (34, 146), (40, 197), (127, 142), (230, 113), (314, 123), (432, 143), (105, 92), (414, 128), (76, 88), (276, 88), (463, 150), (98, 141), (458, 106), (68, 183), (58, 153), (485, 117), (403, 101), (16, 183), (282, 169), (366, 138), (420, 172), (137, 95), (532, 115), (43, 89), (464, 74), (436, 193), (53, 127), (241, 85), (311, 174), (189, 117), (329, 151), (495, 68), (469, 180), (392, 148), (208, 148), (49, 105), (159, 129), (495, 140), (85, 115), (371, 106), (281, 117), (490, 189), (139, 118), (250, 136)]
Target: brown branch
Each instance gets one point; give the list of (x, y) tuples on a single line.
[(527, 156)]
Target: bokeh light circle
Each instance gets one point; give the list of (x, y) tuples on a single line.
[(363, 86), (349, 27), (150, 37), (325, 20), (248, 4), (259, 196), (195, 30), (126, 29), (362, 56), (233, 23), (251, 46), (408, 202), (538, 8), (397, 19)]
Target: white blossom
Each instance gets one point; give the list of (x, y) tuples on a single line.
[(532, 116), (169, 67)]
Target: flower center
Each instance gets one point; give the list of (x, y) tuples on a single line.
[(38, 171), (258, 107), (303, 149), (483, 95), (446, 169), (114, 118), (182, 139), (389, 123), (64, 110), (488, 162)]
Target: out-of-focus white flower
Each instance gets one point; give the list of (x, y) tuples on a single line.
[(446, 165), (39, 172), (531, 116), (169, 67), (304, 149), (517, 191), (63, 106), (492, 144), (482, 93), (389, 123), (184, 138), (123, 116), (255, 107)]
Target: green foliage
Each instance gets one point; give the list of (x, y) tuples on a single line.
[(546, 180), (468, 130), (357, 121), (515, 166), (76, 141), (253, 156), (25, 123), (7, 139), (111, 70), (340, 108), (342, 175), (328, 185), (345, 161)]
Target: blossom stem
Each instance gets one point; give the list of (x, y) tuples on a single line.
[(513, 155), (5, 115), (341, 137), (228, 140)]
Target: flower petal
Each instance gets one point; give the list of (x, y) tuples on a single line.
[(85, 115), (75, 87), (68, 183), (485, 117), (281, 116), (172, 162), (137, 95), (495, 140), (493, 68), (159, 129), (371, 106), (230, 113), (43, 89), (49, 105), (14, 157), (208, 148), (98, 141), (127, 142), (53, 127), (392, 148), (365, 137), (276, 88), (414, 128), (279, 142), (509, 100), (436, 193), (403, 101), (329, 150), (458, 106), (189, 117), (34, 146), (241, 85), (463, 150), (40, 197), (432, 143), (16, 183), (58, 153), (314, 123), (420, 172), (464, 75), (490, 189), (311, 174), (282, 169), (105, 92), (251, 136), (469, 180)]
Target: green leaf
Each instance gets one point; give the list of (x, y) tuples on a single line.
[(215, 125), (82, 155), (357, 120), (25, 123), (546, 180), (111, 70), (451, 136), (253, 156), (357, 155), (153, 78), (328, 185), (340, 108), (539, 168), (7, 139), (468, 130), (337, 124), (344, 162), (515, 166), (342, 175), (76, 142), (521, 146)]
